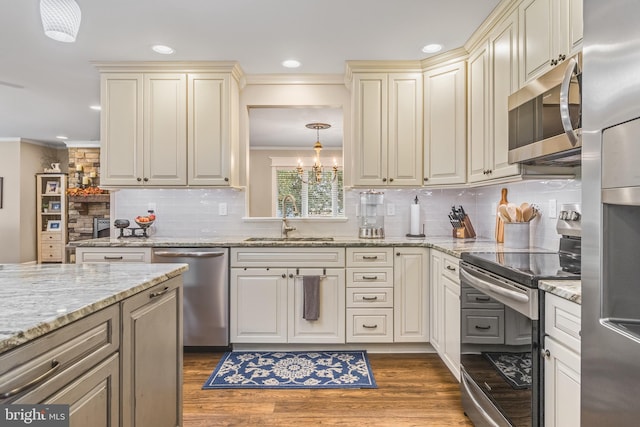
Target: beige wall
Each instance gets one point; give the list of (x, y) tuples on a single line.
[(260, 167), (20, 160)]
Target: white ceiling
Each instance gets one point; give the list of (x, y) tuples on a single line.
[(46, 87)]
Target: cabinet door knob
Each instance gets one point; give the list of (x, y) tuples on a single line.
[(284, 276), (390, 179), (138, 179), (554, 62), (384, 179), (226, 179), (146, 179), (290, 275), (425, 179), (562, 57), (546, 353)]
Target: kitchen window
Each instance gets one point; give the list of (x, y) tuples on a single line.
[(321, 196)]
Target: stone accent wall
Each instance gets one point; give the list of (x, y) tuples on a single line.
[(82, 210)]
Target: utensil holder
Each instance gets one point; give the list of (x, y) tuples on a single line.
[(516, 235), (466, 231)]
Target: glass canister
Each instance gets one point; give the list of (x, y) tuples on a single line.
[(371, 215)]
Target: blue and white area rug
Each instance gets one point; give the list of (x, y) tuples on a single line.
[(292, 369)]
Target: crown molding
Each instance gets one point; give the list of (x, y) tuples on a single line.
[(294, 79), (232, 67), (502, 10)]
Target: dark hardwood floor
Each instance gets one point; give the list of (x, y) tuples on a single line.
[(413, 390)]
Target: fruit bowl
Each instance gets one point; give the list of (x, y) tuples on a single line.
[(144, 224)]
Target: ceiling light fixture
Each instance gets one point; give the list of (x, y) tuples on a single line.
[(95, 107), (317, 168), (62, 137), (60, 19), (162, 49), (291, 63), (432, 48)]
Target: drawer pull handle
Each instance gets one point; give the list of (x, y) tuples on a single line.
[(483, 299), (370, 257), (159, 293), (483, 327), (369, 277), (113, 257), (369, 298), (370, 326), (451, 268), (54, 367)]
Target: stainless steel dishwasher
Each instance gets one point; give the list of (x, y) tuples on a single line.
[(205, 292)]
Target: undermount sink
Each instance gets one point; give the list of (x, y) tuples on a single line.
[(289, 239)]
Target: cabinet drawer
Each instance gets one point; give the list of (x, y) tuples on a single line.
[(363, 257), (473, 298), (55, 236), (370, 297), (51, 253), (562, 321), (79, 345), (482, 326), (113, 255), (450, 267), (370, 276), (287, 257), (370, 325)]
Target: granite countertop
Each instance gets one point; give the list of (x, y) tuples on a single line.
[(37, 299), (447, 244), (567, 289)]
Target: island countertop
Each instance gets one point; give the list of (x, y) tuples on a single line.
[(37, 299)]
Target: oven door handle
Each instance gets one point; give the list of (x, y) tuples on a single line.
[(465, 384), (483, 285)]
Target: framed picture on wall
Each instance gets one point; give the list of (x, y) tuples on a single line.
[(54, 225)]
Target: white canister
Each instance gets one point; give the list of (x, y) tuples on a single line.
[(516, 235)]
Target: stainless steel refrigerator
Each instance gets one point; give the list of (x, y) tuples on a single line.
[(610, 370)]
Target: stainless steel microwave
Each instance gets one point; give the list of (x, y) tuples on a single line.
[(545, 117)]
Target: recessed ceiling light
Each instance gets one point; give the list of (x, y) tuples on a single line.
[(96, 107), (432, 48), (291, 63), (62, 137), (160, 48)]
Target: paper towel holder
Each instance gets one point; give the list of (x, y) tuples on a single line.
[(419, 235)]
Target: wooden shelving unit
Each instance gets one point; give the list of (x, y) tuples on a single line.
[(51, 217)]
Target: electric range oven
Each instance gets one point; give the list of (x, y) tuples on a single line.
[(501, 331)]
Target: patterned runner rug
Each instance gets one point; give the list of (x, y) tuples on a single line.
[(515, 368), (292, 369)]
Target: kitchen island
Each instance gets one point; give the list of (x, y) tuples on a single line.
[(94, 337)]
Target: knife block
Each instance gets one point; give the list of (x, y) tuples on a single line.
[(466, 231)]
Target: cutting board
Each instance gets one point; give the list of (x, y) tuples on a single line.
[(499, 222)]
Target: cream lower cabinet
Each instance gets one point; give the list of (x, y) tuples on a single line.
[(267, 301), (112, 255), (445, 309), (410, 294), (151, 356), (561, 362)]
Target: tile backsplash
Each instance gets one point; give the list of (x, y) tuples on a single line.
[(195, 213)]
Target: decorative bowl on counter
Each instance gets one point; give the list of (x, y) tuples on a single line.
[(144, 224)]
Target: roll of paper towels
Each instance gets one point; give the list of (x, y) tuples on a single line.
[(415, 220)]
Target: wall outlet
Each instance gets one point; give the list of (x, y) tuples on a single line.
[(553, 208), (391, 209), (222, 209)]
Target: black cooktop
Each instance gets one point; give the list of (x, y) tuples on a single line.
[(526, 268)]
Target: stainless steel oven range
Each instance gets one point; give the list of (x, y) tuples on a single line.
[(501, 329)]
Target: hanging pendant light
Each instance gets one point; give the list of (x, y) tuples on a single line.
[(60, 19), (317, 167)]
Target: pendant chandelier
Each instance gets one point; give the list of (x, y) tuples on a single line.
[(60, 19), (317, 167)]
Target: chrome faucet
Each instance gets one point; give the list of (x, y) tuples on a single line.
[(286, 228)]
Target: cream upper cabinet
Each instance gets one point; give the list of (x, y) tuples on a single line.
[(503, 72), (445, 124), (143, 129), (550, 32), (478, 115), (212, 129), (169, 129), (387, 109)]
